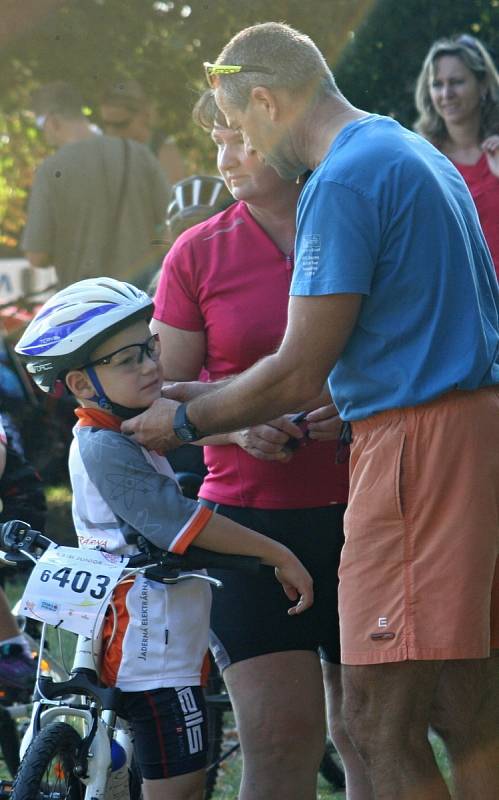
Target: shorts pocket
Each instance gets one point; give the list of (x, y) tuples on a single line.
[(376, 475)]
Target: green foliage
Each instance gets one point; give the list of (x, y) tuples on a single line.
[(379, 68), (162, 43)]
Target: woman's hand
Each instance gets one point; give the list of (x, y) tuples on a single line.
[(269, 442), (491, 149)]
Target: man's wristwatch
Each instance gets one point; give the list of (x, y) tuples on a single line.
[(183, 427)]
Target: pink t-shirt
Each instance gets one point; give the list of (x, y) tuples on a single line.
[(226, 277), (484, 188)]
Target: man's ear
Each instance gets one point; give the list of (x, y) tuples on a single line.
[(80, 384), (266, 101)]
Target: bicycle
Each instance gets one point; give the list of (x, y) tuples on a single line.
[(76, 746)]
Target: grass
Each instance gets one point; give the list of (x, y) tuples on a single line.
[(229, 775)]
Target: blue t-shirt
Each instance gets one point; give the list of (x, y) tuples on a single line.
[(387, 216)]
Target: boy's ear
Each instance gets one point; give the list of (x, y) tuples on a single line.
[(80, 384)]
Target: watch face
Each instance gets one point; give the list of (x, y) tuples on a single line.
[(183, 428), (185, 433)]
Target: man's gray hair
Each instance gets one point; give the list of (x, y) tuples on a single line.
[(292, 58)]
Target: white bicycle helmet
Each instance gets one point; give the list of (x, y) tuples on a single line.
[(195, 199), (73, 322)]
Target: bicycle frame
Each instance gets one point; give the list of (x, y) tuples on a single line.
[(99, 727)]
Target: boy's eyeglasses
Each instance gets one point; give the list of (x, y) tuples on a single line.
[(131, 356), (214, 71)]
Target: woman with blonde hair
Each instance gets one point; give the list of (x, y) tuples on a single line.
[(457, 97)]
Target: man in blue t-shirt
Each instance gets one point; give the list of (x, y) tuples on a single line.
[(395, 302)]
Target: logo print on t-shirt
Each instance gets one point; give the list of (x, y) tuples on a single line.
[(310, 254)]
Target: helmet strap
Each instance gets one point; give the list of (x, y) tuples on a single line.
[(103, 401)]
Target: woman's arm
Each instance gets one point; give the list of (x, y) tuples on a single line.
[(182, 358)]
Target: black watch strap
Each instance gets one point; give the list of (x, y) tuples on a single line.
[(183, 427)]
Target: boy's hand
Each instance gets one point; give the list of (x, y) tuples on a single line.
[(297, 583)]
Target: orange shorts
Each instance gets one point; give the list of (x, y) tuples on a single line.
[(419, 575)]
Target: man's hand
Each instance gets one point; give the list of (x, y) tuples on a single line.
[(183, 391), (324, 423), (154, 428)]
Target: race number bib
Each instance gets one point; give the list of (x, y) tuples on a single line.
[(70, 588)]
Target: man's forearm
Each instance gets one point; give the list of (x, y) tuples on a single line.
[(261, 393)]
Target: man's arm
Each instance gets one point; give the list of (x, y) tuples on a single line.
[(317, 332)]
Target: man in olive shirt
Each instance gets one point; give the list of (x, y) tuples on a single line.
[(97, 203)]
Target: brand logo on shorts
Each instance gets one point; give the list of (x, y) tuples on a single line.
[(193, 719), (382, 622)]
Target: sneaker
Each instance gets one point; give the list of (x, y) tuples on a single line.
[(17, 670)]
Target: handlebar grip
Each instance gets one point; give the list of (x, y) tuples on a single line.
[(199, 558), (16, 535), (196, 558)]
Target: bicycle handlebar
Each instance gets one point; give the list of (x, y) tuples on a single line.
[(16, 536)]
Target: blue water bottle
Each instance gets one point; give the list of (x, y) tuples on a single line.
[(117, 784)]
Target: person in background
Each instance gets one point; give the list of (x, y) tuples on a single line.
[(126, 111), (21, 497), (220, 305), (96, 204), (457, 97)]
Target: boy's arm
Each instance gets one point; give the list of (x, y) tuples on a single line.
[(148, 502), (152, 505)]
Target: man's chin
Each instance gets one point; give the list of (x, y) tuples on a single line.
[(285, 170)]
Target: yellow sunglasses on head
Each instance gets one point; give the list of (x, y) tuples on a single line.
[(214, 71)]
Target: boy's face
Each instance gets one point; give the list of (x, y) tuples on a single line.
[(133, 376)]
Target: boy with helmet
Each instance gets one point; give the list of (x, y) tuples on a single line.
[(94, 337)]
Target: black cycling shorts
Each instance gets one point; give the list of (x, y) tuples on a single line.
[(249, 615), (169, 730)]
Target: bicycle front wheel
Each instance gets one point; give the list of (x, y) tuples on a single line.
[(47, 769)]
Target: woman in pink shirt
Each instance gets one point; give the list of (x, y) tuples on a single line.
[(457, 96), (221, 305)]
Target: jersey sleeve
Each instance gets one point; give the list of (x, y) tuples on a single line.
[(39, 234), (338, 237), (147, 501), (176, 302)]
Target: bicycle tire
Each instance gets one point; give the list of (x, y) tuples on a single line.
[(46, 771), (215, 722), (330, 768), (9, 741)]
